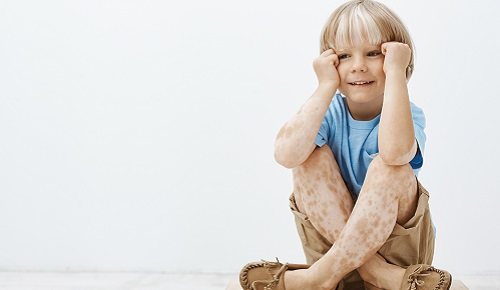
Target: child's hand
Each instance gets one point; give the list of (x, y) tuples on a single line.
[(325, 67), (397, 57)]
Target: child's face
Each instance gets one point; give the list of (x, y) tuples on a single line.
[(361, 71)]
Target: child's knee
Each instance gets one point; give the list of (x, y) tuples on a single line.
[(400, 179), (321, 159), (382, 169)]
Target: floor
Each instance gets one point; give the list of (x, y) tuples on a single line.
[(156, 281)]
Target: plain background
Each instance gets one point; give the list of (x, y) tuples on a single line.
[(138, 135)]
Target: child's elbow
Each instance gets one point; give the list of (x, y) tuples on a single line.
[(284, 159), (285, 155), (398, 155), (394, 159)]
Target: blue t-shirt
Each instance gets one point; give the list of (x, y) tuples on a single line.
[(355, 143)]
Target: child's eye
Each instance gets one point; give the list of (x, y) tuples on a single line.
[(343, 56), (374, 53)]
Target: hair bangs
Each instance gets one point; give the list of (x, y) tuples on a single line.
[(357, 26)]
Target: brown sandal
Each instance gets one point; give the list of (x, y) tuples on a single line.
[(266, 275)]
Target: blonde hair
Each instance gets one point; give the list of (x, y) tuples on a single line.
[(370, 21)]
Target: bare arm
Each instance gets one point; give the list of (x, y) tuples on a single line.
[(397, 144), (295, 140)]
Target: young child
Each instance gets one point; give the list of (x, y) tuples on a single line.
[(355, 148)]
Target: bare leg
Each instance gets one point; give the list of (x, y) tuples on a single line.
[(388, 195)]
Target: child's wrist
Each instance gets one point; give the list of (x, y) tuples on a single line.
[(396, 74), (331, 85)]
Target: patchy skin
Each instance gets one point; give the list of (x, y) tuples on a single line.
[(358, 230)]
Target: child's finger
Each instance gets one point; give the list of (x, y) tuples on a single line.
[(334, 59), (327, 52), (383, 48)]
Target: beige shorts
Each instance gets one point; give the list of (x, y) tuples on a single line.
[(408, 244)]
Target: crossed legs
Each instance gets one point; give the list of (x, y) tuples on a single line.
[(389, 195)]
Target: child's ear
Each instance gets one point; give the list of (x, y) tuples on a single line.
[(409, 71)]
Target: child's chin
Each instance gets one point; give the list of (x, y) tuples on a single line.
[(361, 98), (358, 96)]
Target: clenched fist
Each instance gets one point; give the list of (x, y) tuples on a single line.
[(397, 57), (325, 67)]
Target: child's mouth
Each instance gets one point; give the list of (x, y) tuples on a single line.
[(361, 83)]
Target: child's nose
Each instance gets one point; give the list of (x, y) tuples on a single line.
[(359, 66)]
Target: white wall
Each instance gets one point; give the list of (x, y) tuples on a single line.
[(138, 135)]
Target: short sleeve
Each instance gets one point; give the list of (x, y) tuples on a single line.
[(419, 127), (322, 136), (327, 130)]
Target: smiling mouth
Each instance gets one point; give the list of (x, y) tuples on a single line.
[(361, 83)]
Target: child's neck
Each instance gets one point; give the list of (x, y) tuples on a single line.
[(364, 111)]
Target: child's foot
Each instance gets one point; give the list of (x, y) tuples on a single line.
[(425, 277)]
